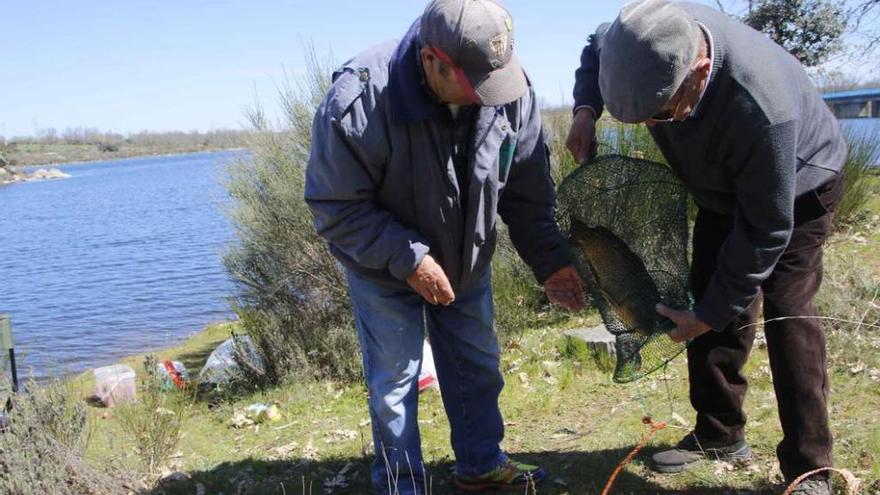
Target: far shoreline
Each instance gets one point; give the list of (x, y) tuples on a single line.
[(42, 172), (126, 157)]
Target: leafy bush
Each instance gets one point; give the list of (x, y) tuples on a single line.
[(42, 450), (154, 422), (292, 297), (517, 296), (864, 152)]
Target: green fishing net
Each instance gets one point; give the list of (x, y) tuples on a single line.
[(627, 223)]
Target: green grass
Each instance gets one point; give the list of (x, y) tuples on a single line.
[(564, 414), (561, 408), (26, 154), (561, 411)]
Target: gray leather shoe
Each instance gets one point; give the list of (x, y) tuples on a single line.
[(691, 450), (814, 485)]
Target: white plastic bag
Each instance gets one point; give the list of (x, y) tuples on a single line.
[(221, 366), (428, 376), (115, 385)]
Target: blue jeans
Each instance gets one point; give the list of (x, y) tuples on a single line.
[(391, 324)]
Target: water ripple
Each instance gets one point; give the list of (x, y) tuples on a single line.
[(124, 256)]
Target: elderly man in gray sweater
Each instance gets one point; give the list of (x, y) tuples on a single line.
[(741, 124)]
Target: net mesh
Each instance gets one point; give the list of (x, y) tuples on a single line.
[(627, 223)]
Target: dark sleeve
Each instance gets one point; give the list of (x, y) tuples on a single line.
[(341, 193), (763, 223), (528, 202), (586, 77)]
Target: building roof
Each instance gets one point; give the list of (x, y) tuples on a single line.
[(855, 93)]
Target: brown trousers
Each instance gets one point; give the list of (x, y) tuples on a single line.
[(796, 346)]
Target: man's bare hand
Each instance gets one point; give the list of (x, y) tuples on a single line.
[(431, 283), (688, 326), (565, 288), (582, 136)]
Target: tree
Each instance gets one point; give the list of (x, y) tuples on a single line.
[(811, 30), (806, 28), (863, 19)]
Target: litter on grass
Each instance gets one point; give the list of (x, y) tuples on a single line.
[(115, 385), (222, 367)]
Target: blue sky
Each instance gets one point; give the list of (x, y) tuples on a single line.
[(197, 65)]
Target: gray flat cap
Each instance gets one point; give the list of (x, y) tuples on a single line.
[(476, 37), (645, 56)]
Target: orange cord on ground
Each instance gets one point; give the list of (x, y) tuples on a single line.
[(852, 482), (655, 427)]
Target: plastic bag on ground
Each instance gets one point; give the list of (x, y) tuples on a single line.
[(115, 385), (428, 376), (173, 373), (222, 367)]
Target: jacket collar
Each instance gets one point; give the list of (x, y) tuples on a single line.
[(409, 99)]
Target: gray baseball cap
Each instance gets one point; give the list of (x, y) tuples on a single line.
[(645, 56), (476, 38)]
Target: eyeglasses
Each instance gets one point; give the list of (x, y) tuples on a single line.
[(665, 115), (668, 115)]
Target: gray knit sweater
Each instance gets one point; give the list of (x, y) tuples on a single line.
[(760, 137)]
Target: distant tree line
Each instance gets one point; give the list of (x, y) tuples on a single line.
[(834, 82), (222, 138)]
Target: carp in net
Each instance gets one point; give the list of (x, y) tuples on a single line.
[(627, 223)]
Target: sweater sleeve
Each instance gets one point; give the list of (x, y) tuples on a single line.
[(763, 223), (586, 77)]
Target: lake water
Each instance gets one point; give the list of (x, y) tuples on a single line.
[(121, 258), (861, 125), (865, 127)]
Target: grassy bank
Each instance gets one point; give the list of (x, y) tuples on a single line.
[(83, 145), (51, 154), (561, 410)]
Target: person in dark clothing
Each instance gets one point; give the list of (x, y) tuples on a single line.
[(741, 124)]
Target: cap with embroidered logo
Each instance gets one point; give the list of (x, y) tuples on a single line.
[(476, 38)]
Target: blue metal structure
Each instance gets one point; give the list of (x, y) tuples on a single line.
[(857, 103)]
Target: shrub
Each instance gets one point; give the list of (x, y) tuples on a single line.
[(292, 295), (154, 423), (628, 140), (556, 125), (612, 137), (864, 153), (42, 451), (517, 296)]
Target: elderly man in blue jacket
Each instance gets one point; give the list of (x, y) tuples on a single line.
[(417, 147), (742, 125)]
